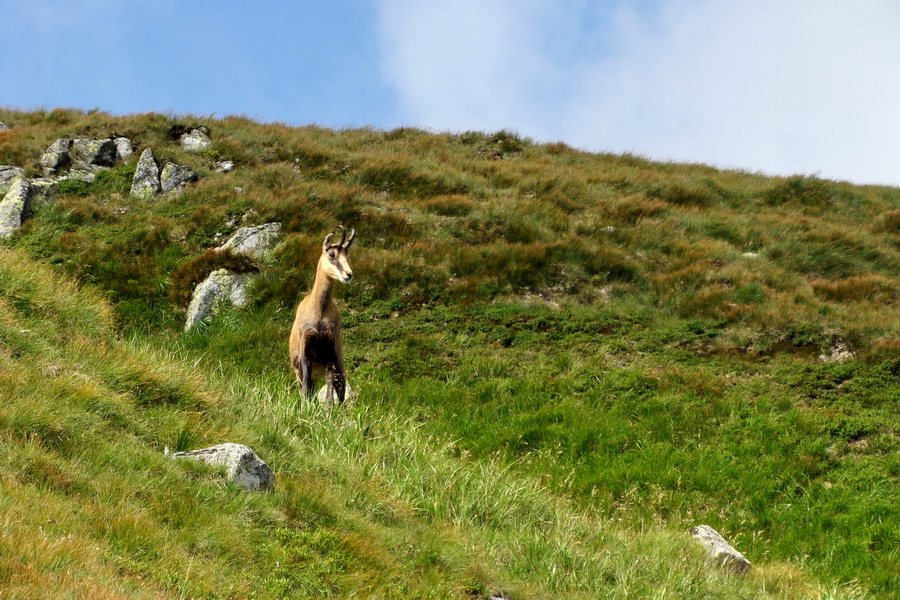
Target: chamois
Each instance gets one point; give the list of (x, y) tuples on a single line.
[(315, 343)]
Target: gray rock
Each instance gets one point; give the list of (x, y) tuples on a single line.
[(243, 467), (124, 149), (3, 127), (176, 177), (195, 140), (7, 175), (56, 156), (90, 154), (253, 241), (146, 176), (15, 207), (224, 166), (43, 191), (720, 550), (217, 290)]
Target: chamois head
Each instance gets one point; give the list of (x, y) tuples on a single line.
[(333, 261)]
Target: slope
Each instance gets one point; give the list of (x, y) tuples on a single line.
[(622, 345)]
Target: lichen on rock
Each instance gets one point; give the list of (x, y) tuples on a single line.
[(15, 207), (219, 288), (145, 184), (175, 177)]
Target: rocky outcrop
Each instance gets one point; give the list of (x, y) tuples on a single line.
[(254, 241), (84, 154), (242, 466), (8, 174), (719, 550), (88, 155), (15, 207), (145, 184), (217, 290), (56, 156), (195, 140), (148, 181), (175, 177)]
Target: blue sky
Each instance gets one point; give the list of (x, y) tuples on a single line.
[(777, 86)]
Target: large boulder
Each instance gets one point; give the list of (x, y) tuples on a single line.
[(176, 177), (8, 174), (243, 467), (146, 176), (719, 550), (221, 287), (253, 241), (15, 207), (56, 156), (195, 140), (91, 154)]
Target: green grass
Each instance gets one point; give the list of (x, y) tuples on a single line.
[(564, 361)]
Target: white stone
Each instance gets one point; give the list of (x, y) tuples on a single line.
[(175, 177), (15, 207), (124, 149), (224, 166), (322, 399), (56, 156), (243, 467), (146, 176), (253, 241), (195, 140), (719, 550), (219, 288)]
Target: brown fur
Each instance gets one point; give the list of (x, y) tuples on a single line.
[(315, 342)]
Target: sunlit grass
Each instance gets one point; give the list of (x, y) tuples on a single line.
[(564, 360)]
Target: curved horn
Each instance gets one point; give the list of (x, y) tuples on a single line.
[(343, 235), (350, 239), (327, 243)]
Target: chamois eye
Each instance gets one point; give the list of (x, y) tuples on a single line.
[(331, 254)]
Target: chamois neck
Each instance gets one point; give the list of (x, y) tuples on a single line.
[(322, 289)]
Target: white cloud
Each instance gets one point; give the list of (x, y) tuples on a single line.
[(784, 87)]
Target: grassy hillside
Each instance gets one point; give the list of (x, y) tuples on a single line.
[(564, 360)]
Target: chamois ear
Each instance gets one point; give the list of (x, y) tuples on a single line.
[(327, 243), (346, 245)]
